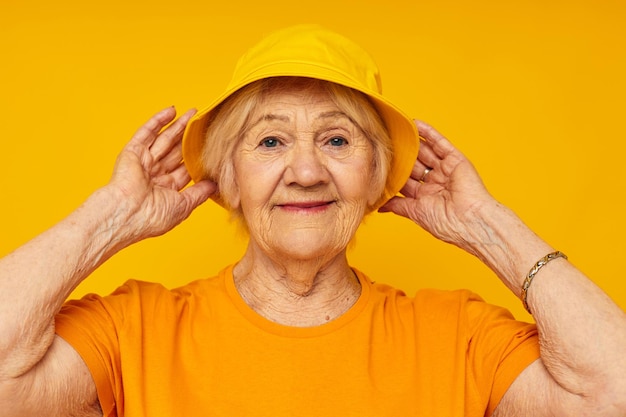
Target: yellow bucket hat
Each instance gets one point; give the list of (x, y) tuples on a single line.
[(314, 52)]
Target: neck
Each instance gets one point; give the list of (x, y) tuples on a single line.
[(301, 293)]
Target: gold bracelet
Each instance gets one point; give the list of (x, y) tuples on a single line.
[(533, 271)]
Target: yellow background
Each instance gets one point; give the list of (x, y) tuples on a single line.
[(532, 91)]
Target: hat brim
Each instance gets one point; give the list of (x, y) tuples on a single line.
[(402, 130)]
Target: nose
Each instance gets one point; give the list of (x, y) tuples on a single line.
[(305, 165)]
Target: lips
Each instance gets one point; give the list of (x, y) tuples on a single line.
[(310, 206)]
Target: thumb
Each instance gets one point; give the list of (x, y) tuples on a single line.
[(198, 193), (397, 205)]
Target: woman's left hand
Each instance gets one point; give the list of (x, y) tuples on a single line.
[(443, 200), (582, 368)]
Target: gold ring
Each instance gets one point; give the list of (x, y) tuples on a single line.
[(426, 171)]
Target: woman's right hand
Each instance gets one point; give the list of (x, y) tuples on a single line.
[(146, 196), (149, 179)]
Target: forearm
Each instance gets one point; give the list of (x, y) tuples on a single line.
[(582, 332), (36, 278)]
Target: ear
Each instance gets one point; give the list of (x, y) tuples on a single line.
[(234, 199), (230, 195), (374, 196), (376, 190)]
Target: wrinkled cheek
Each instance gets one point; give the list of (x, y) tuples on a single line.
[(265, 227), (349, 220), (261, 225)]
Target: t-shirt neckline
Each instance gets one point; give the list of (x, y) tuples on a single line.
[(291, 331)]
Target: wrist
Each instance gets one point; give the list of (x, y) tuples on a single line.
[(503, 242), (105, 218)]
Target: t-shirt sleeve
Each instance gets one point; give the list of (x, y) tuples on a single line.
[(499, 348), (473, 346), (91, 326)]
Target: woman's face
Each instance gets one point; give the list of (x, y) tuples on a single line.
[(303, 171)]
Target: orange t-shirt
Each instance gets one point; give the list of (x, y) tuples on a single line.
[(199, 350)]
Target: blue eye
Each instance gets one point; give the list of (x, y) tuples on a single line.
[(337, 141), (270, 142)]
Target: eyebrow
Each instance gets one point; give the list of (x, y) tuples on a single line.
[(334, 115), (268, 117)]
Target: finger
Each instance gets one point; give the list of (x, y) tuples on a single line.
[(435, 140), (180, 176), (192, 197), (421, 169), (169, 161), (396, 205), (176, 179), (411, 188), (170, 136), (147, 133), (199, 192), (427, 157)]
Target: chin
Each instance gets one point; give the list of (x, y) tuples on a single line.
[(304, 245)]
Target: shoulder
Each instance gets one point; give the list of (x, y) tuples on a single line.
[(430, 301), (141, 293), (133, 304)]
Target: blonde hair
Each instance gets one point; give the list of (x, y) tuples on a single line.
[(231, 119)]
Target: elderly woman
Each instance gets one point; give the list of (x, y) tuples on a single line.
[(299, 149)]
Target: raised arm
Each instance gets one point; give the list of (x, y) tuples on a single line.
[(582, 333), (40, 374)]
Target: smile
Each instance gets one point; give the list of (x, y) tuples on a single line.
[(306, 206)]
